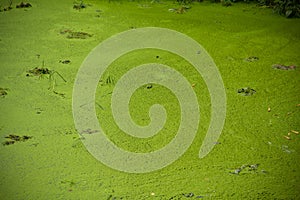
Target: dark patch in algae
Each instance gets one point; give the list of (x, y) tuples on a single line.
[(16, 138)]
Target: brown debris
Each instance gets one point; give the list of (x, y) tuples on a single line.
[(287, 137), (15, 138), (23, 5), (284, 67)]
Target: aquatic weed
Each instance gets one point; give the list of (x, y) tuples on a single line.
[(12, 138), (247, 91), (79, 5), (3, 92), (23, 5), (75, 34), (42, 72), (7, 8)]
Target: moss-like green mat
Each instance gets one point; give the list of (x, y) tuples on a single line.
[(54, 164)]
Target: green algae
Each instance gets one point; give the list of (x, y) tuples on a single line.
[(55, 165)]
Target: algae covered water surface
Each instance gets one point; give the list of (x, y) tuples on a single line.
[(257, 54)]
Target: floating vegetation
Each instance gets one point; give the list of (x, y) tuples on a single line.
[(38, 71), (108, 81), (3, 92), (12, 139), (248, 168), (78, 35), (149, 86), (189, 195), (65, 61), (23, 5), (42, 71), (180, 10), (247, 91), (79, 5), (6, 8), (20, 5), (251, 59), (283, 67), (75, 35)]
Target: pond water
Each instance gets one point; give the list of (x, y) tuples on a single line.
[(43, 156)]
